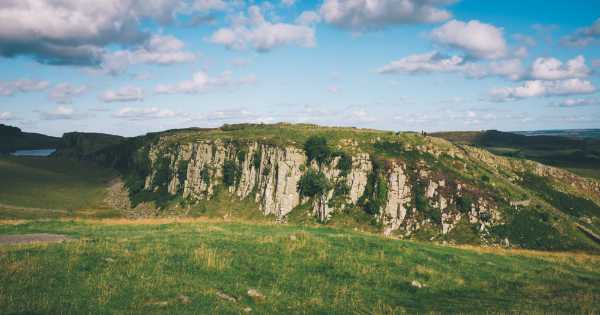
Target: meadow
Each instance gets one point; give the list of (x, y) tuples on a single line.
[(204, 266)]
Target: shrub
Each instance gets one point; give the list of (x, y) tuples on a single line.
[(316, 149), (376, 190), (231, 173), (313, 183), (345, 163), (241, 155), (463, 203), (205, 175), (182, 167), (161, 177), (256, 159), (485, 178)]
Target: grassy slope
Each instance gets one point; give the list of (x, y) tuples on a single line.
[(580, 156), (51, 183), (133, 268)]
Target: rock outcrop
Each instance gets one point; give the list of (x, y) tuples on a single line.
[(269, 175)]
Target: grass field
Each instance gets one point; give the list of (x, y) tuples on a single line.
[(207, 267), (42, 187)]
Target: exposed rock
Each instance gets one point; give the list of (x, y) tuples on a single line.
[(417, 284), (255, 295), (226, 297)]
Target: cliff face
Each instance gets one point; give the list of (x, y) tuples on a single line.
[(270, 175)]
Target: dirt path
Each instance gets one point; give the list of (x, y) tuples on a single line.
[(33, 238)]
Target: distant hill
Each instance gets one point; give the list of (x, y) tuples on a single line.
[(571, 133), (80, 145), (576, 150), (13, 138)]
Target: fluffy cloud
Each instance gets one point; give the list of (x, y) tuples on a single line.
[(433, 62), (537, 88), (125, 94), (9, 88), (157, 50), (478, 39), (62, 113), (288, 3), (583, 36), (75, 32), (64, 93), (144, 113), (202, 82), (361, 15), (553, 69), (255, 32)]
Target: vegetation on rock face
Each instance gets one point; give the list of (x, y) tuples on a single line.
[(231, 173), (316, 149), (313, 183), (345, 163), (376, 191)]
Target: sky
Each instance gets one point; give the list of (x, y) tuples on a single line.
[(134, 66)]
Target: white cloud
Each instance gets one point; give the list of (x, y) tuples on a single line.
[(424, 63), (6, 116), (308, 18), (261, 35), (577, 102), (62, 113), (157, 50), (435, 62), (288, 3), (202, 82), (478, 39), (361, 15), (537, 88), (553, 69), (9, 88), (64, 93), (525, 39), (144, 113), (333, 89), (209, 5), (584, 36), (360, 115), (125, 94), (75, 32)]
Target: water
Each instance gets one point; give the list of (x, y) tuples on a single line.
[(40, 152)]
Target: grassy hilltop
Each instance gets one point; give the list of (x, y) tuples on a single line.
[(224, 256)]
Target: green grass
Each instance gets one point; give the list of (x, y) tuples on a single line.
[(142, 269), (52, 183)]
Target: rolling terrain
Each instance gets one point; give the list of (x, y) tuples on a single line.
[(283, 218)]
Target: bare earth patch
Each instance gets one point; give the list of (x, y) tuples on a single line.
[(33, 238)]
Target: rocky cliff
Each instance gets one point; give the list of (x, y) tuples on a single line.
[(403, 184), (270, 175)]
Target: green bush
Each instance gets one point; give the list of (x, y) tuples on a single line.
[(256, 159), (463, 203), (345, 163), (205, 175), (161, 177), (231, 173), (376, 191), (182, 170), (313, 183), (317, 149)]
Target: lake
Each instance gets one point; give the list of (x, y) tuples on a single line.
[(39, 152)]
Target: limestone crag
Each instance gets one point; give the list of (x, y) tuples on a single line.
[(269, 175)]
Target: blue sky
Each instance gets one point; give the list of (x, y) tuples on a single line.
[(131, 66)]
